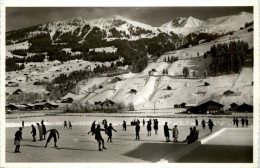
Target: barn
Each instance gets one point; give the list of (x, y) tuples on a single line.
[(209, 107), (233, 107), (245, 108)]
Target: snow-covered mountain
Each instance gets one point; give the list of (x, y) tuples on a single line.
[(183, 22), (118, 27), (223, 24)]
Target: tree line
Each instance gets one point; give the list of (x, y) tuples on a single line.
[(229, 58)]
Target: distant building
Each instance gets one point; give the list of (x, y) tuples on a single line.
[(209, 107), (18, 91), (169, 88), (233, 107), (206, 84), (45, 106), (107, 103), (29, 106), (16, 107), (228, 92), (245, 108), (133, 91), (116, 79), (67, 100), (183, 105)]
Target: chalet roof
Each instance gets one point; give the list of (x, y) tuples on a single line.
[(228, 92), (210, 102)]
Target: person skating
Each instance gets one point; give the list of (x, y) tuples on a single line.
[(175, 133), (234, 121), (149, 128), (196, 122), (33, 132), (92, 129), (210, 124), (166, 132), (246, 122), (237, 122), (40, 131), (99, 138), (70, 125), (190, 135), (52, 134), (43, 129), (23, 123), (137, 131), (155, 126), (65, 124), (124, 125), (109, 132), (203, 123), (143, 122), (105, 126), (243, 122), (17, 140)]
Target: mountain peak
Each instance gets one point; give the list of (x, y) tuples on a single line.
[(183, 22)]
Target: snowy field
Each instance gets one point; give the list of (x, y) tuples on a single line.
[(77, 146)]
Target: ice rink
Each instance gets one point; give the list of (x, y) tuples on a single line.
[(233, 145)]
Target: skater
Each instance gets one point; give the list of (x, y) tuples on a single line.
[(237, 122), (105, 126), (17, 140), (124, 125), (211, 124), (92, 129), (197, 122), (137, 130), (40, 131), (149, 128), (70, 125), (242, 122), (190, 135), (175, 133), (138, 121), (53, 133), (33, 132), (166, 132), (203, 123), (99, 138), (23, 123), (65, 124), (155, 126), (109, 132), (246, 122), (234, 121), (143, 122), (43, 129)]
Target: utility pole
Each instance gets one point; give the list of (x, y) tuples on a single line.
[(154, 106)]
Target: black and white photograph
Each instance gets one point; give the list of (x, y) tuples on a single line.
[(130, 84)]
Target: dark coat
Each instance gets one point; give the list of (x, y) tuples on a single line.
[(166, 130), (33, 132), (18, 135)]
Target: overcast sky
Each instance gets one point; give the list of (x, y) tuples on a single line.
[(21, 17)]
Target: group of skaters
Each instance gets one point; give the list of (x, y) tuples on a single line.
[(96, 130), (65, 125), (244, 121), (42, 133), (108, 129)]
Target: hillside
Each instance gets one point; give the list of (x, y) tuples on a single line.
[(84, 58)]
